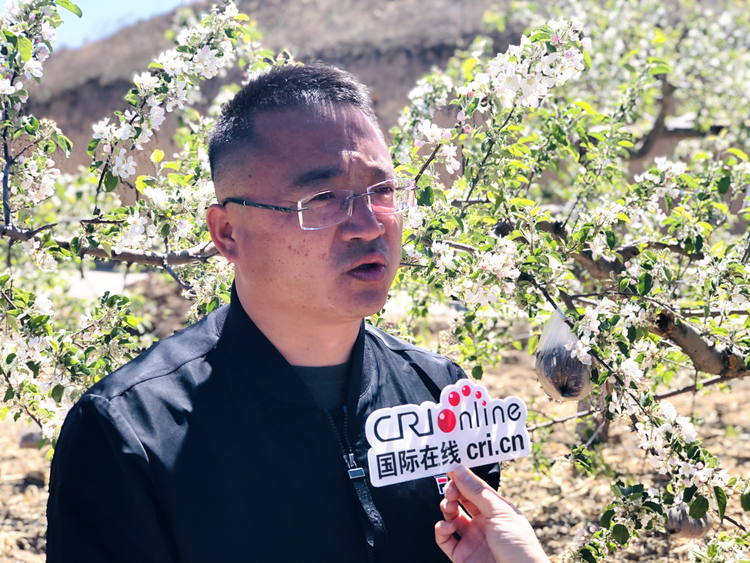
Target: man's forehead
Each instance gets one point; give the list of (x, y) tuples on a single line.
[(300, 146), (326, 127)]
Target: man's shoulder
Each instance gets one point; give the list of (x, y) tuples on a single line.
[(407, 350), (164, 358)]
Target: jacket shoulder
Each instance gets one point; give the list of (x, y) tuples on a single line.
[(420, 356), (164, 357)]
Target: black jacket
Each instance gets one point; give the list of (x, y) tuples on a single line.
[(208, 447)]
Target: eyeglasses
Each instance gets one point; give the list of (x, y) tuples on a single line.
[(332, 207)]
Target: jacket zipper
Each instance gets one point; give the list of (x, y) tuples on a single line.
[(353, 470)]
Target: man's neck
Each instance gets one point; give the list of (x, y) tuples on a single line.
[(304, 342)]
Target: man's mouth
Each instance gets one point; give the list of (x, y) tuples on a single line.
[(367, 267), (368, 272)]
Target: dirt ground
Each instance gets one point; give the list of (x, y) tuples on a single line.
[(559, 503)]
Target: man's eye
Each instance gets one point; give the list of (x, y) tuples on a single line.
[(323, 197), (383, 190)]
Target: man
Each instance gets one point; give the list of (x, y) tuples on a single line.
[(241, 438)]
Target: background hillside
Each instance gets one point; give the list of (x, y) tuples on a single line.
[(386, 44)]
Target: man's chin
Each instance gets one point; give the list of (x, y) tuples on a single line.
[(363, 304)]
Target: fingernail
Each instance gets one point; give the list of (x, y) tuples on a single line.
[(462, 474)]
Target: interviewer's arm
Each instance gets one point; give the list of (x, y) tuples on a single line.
[(494, 531)]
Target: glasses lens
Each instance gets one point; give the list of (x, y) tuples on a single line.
[(325, 209), (392, 196)]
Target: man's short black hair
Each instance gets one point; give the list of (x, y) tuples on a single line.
[(283, 87)]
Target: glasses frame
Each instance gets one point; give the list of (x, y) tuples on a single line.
[(411, 186)]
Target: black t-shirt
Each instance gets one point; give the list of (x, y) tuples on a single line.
[(328, 384)]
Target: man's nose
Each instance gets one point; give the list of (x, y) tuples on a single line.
[(363, 223)]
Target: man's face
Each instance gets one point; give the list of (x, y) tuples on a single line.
[(334, 275)]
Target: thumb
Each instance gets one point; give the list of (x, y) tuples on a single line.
[(475, 490)]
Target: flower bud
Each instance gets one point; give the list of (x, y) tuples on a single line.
[(32, 17), (107, 149), (468, 129), (447, 134), (461, 116), (419, 143)]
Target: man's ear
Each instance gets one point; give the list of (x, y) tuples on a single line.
[(222, 231)]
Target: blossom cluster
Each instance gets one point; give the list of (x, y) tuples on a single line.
[(524, 74), (201, 53)]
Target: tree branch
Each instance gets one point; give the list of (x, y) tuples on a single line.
[(658, 397), (667, 108), (704, 354), (199, 253)]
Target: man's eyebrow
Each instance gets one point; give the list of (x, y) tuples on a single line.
[(316, 175)]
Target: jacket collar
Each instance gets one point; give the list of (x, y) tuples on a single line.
[(257, 361)]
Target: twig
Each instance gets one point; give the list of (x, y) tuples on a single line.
[(490, 148), (25, 408), (595, 434), (184, 285), (427, 163), (6, 188), (658, 397), (733, 521), (199, 253), (581, 414), (692, 388), (5, 296)]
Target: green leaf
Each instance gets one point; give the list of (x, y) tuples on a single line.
[(659, 69), (110, 181), (24, 48), (9, 394), (698, 507), (57, 393), (477, 371), (606, 518), (586, 60), (723, 185), (645, 283), (107, 248), (721, 500), (68, 5), (586, 107), (687, 496), (745, 499), (426, 196), (659, 36), (587, 556), (92, 146), (620, 534), (738, 153), (540, 36), (157, 156), (654, 506), (626, 144), (610, 239), (623, 217)]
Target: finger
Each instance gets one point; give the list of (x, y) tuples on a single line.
[(513, 506), (470, 508), (480, 494), (449, 509), (444, 537), (454, 495)]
